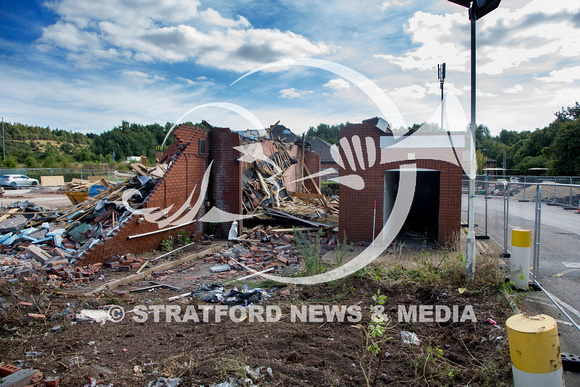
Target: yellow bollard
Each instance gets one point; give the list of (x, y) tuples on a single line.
[(520, 258), (535, 351)]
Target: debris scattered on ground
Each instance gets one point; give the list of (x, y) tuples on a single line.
[(39, 242), (214, 293), (410, 338)]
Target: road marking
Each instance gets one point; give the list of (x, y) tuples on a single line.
[(571, 265), (562, 303), (564, 322), (564, 272), (541, 302)]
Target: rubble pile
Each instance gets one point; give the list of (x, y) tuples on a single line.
[(43, 242), (263, 248), (265, 192), (263, 184)]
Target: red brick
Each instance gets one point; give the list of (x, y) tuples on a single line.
[(8, 369)]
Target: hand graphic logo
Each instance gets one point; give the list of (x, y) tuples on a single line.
[(415, 146)]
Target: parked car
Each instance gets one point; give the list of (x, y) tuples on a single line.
[(17, 181)]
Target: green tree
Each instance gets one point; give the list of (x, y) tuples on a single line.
[(327, 132), (566, 149), (30, 162), (11, 162), (481, 160)]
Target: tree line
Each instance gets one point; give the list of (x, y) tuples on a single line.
[(556, 146), (38, 147)]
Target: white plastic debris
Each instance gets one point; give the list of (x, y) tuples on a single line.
[(409, 338), (233, 234)]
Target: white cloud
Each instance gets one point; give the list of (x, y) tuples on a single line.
[(168, 31), (508, 37), (564, 97), (186, 80), (96, 103), (141, 77), (393, 3), (566, 75), (410, 92), (337, 84), (293, 93), (514, 89)]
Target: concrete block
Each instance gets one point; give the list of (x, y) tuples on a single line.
[(38, 254), (20, 378)]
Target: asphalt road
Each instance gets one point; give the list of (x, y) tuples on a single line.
[(559, 272), (43, 196)]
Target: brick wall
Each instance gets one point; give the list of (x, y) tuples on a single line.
[(185, 173), (226, 182), (356, 207)]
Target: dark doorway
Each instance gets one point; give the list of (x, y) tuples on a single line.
[(423, 219)]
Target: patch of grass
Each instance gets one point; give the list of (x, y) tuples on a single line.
[(112, 298), (445, 267), (341, 251), (236, 366)]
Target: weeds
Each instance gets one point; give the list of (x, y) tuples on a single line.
[(310, 251), (374, 339), (112, 298), (341, 251), (237, 366), (445, 267), (166, 244), (185, 239)]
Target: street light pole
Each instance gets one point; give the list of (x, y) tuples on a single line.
[(477, 10), (470, 254), (3, 145)]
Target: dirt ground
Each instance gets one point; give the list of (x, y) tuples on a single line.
[(325, 352)]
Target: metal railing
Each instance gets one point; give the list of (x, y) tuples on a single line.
[(67, 173), (538, 190)]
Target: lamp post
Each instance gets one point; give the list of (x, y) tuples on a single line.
[(477, 10), (3, 146), (441, 75)]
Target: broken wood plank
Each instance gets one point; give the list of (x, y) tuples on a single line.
[(8, 214)]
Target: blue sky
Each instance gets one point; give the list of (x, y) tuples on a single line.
[(88, 65)]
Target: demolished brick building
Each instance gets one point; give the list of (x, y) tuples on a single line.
[(188, 157), (436, 209)]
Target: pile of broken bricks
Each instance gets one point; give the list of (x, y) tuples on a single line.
[(266, 249), (56, 271), (38, 243)]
